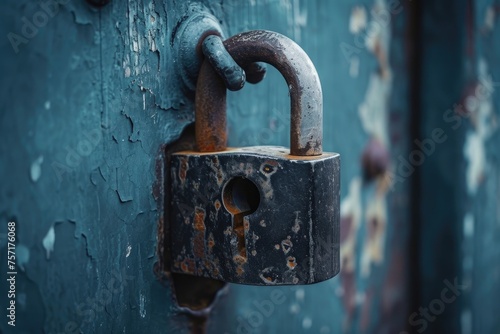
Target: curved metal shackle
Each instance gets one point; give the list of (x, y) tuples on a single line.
[(306, 125)]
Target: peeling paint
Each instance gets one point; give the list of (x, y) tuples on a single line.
[(142, 302), (36, 169), (373, 111), (364, 209), (306, 323), (22, 256), (358, 20), (376, 218), (48, 241), (350, 213), (485, 124), (300, 294), (468, 232)]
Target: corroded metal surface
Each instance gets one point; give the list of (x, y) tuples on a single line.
[(306, 132), (222, 62), (286, 232)]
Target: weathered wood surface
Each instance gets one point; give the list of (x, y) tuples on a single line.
[(88, 100)]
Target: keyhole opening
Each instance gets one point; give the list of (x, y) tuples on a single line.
[(241, 198), (240, 195)]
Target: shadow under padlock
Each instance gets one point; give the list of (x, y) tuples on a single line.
[(260, 215)]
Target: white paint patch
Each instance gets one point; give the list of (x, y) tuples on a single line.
[(373, 111), (47, 105), (468, 230), (489, 18), (300, 294), (350, 207), (307, 322), (295, 308), (351, 204), (379, 27), (358, 20), (483, 117), (469, 225), (22, 256), (142, 302), (48, 241), (36, 169), (475, 154), (129, 249), (359, 298), (373, 252), (354, 67)]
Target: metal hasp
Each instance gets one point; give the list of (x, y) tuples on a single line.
[(260, 215)]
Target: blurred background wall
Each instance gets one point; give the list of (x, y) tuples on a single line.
[(89, 97)]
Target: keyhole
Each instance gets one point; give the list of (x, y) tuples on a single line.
[(241, 198)]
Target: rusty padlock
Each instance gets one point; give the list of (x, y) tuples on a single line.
[(260, 215)]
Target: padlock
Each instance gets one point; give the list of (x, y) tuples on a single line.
[(260, 215)]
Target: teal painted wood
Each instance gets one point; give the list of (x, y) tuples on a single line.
[(442, 182), (87, 103), (481, 222), (459, 181)]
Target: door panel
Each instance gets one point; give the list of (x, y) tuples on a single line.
[(90, 97)]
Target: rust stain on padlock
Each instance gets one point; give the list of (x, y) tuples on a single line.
[(291, 262), (199, 235), (183, 170), (306, 131), (211, 242), (240, 197), (199, 219), (217, 169), (188, 266)]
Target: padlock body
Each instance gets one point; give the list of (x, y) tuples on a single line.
[(255, 215)]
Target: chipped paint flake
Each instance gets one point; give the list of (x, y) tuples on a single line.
[(475, 154), (468, 225), (129, 249), (376, 218), (373, 111), (36, 169), (306, 322), (22, 256), (295, 308), (296, 226), (485, 124), (142, 309), (350, 212), (48, 241), (300, 294), (358, 20)]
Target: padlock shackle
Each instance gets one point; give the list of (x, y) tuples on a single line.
[(306, 97)]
